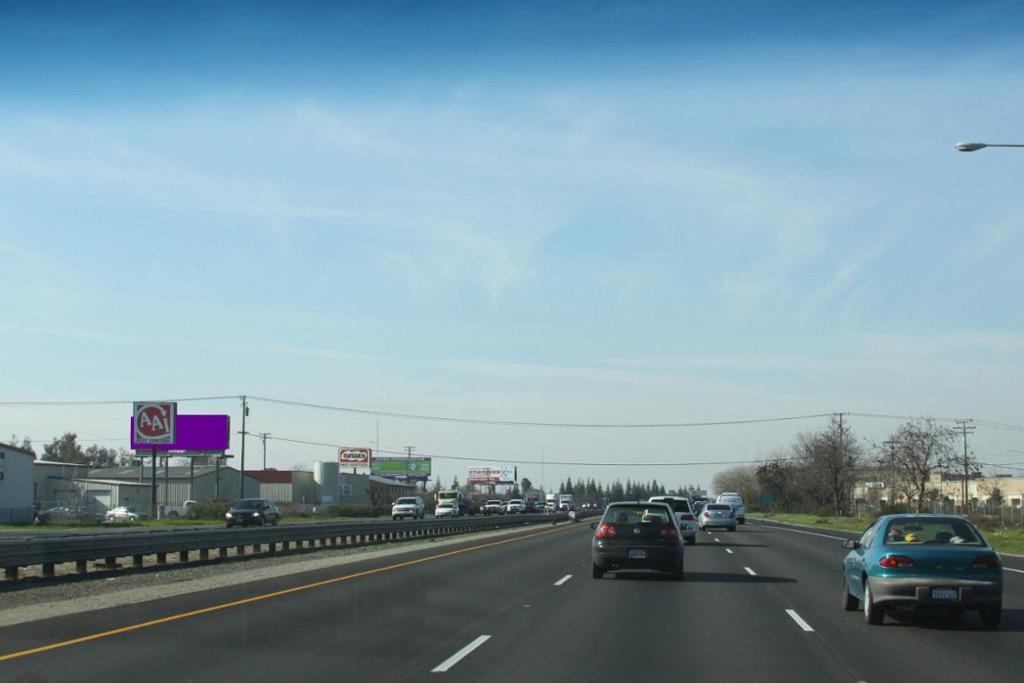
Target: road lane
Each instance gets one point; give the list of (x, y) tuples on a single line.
[(931, 647)]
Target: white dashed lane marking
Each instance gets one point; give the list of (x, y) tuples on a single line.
[(460, 655), (750, 571), (563, 579), (799, 620)]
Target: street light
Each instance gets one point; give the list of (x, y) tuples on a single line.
[(975, 146)]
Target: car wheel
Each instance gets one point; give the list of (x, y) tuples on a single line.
[(598, 572), (873, 614), (691, 541), (732, 528), (991, 616), (850, 603), (677, 573), (276, 520)]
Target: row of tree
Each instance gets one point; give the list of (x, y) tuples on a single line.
[(818, 471), (592, 491)]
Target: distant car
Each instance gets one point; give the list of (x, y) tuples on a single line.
[(515, 506), (698, 506), (446, 510), (409, 506), (637, 536), (924, 562), (736, 501), (493, 507), (252, 511), (684, 515), (121, 514), (717, 515)]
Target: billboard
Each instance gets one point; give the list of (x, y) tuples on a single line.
[(153, 423), (354, 457), (492, 475), (402, 468), (199, 433)]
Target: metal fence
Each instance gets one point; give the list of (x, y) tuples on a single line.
[(999, 515)]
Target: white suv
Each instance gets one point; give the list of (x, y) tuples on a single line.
[(734, 500), (515, 506), (411, 506)]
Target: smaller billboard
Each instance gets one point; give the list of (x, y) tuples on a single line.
[(358, 458), (492, 475), (417, 468), (153, 422)]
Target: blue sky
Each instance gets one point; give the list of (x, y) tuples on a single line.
[(584, 212)]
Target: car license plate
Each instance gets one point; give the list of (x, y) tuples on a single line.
[(947, 594), (635, 554)]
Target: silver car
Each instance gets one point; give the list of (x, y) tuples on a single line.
[(717, 515)]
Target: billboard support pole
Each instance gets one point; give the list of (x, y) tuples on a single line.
[(152, 486), (191, 477), (241, 468)]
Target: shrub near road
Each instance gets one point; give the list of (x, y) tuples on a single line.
[(1003, 539)]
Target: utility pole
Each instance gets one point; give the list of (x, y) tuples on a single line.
[(263, 436), (241, 473), (891, 443), (965, 425)]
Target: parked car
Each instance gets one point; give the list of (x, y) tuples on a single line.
[(408, 506), (252, 511), (736, 501), (717, 515), (923, 562), (494, 507), (685, 518), (446, 510), (515, 506), (121, 514), (637, 536)]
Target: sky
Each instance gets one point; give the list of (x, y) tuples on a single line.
[(604, 212)]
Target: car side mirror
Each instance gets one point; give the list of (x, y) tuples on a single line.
[(850, 544)]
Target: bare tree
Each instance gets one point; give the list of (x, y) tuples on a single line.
[(831, 460), (920, 449), (742, 479)]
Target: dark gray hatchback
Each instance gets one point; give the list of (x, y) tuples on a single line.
[(641, 535)]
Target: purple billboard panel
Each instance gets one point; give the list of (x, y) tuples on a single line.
[(205, 433)]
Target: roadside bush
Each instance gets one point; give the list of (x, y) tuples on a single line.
[(983, 522), (208, 509), (350, 510)]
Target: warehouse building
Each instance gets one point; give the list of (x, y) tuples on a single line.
[(17, 502), (284, 486), (176, 484)]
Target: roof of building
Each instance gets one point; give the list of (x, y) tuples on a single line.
[(60, 463), (271, 476), (111, 482), (173, 472), (7, 446)]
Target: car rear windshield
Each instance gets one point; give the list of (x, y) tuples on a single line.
[(405, 501), (908, 530), (676, 505), (636, 514), (718, 506)]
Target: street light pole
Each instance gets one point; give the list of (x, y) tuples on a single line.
[(975, 146)]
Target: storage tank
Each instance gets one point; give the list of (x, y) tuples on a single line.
[(325, 473)]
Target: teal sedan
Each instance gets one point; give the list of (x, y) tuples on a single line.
[(922, 562)]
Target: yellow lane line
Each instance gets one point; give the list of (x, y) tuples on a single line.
[(266, 596)]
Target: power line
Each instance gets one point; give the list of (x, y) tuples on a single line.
[(111, 403), (518, 423), (534, 462)]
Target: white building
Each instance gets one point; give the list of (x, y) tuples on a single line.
[(17, 498)]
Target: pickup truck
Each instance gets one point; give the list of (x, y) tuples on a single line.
[(410, 506)]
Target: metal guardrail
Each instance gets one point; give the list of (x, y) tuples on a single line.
[(81, 549)]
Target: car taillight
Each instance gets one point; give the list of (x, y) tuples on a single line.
[(895, 561), (688, 518), (605, 531), (669, 531), (986, 563), (707, 514)]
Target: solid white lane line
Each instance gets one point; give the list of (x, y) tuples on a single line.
[(460, 655), (808, 533), (750, 571), (799, 620), (728, 551), (563, 579)]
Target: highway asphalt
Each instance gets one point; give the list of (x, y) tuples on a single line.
[(762, 604)]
